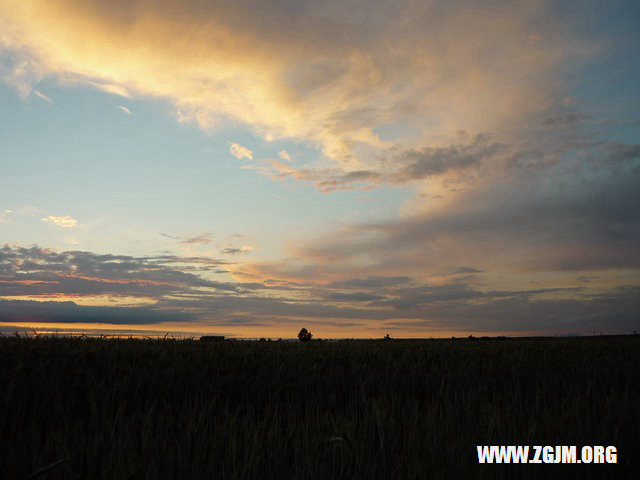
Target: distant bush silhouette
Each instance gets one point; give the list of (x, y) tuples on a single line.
[(304, 335)]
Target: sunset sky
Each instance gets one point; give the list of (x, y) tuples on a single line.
[(248, 168)]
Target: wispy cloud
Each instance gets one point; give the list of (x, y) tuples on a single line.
[(111, 88), (125, 110), (240, 152), (198, 239), (173, 237), (5, 216), (326, 180), (42, 96), (233, 251), (65, 221), (283, 154), (204, 238)]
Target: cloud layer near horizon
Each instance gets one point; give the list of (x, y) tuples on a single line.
[(41, 286)]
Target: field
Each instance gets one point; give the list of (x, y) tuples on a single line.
[(156, 409)]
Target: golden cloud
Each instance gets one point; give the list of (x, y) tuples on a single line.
[(350, 82), (240, 152), (64, 221)]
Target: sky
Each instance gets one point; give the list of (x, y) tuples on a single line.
[(358, 168)]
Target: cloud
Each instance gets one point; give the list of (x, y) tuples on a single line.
[(61, 221), (347, 88), (200, 239), (37, 271), (613, 311), (42, 96), (283, 154), (42, 285), (460, 270), (240, 152), (431, 161), (170, 236), (353, 296), (21, 311), (576, 213), (565, 119), (4, 216), (107, 87), (398, 168), (326, 180), (371, 282), (234, 251), (18, 71), (125, 110)]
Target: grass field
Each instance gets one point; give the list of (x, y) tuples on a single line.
[(117, 409)]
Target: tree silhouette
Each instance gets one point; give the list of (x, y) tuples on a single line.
[(304, 335)]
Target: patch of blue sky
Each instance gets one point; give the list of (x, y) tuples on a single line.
[(127, 178)]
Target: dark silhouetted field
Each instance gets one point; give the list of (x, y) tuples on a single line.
[(155, 409)]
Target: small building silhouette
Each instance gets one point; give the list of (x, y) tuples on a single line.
[(212, 338)]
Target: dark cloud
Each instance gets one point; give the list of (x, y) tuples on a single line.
[(462, 270), (393, 301), (198, 239), (201, 239), (371, 282), (170, 236), (19, 311), (407, 298), (326, 180), (352, 297), (576, 215), (429, 161), (233, 251), (398, 168), (565, 119), (613, 311), (616, 152), (38, 271)]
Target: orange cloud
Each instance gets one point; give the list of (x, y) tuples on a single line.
[(311, 73)]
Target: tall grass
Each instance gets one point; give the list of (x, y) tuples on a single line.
[(161, 409)]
